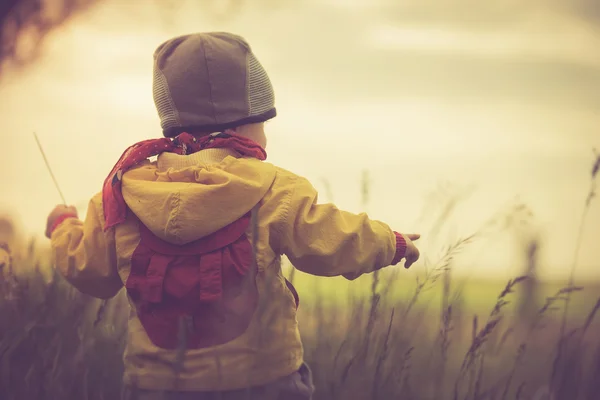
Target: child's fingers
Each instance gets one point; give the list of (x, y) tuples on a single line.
[(413, 236)]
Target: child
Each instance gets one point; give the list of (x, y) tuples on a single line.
[(196, 236)]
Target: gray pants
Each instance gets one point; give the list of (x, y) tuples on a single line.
[(298, 386)]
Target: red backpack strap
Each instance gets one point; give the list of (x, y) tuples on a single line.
[(155, 275)]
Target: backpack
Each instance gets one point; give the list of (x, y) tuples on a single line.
[(203, 292)]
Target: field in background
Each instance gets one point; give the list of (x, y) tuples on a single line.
[(476, 295), (398, 340)]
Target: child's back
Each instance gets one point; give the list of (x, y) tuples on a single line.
[(179, 234)]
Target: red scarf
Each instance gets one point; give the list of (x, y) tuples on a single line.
[(113, 202)]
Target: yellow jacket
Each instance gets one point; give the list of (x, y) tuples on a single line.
[(184, 198)]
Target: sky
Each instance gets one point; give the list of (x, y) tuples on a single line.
[(495, 101)]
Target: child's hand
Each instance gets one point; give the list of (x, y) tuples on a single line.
[(412, 253), (59, 212)]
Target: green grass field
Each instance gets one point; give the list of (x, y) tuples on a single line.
[(477, 295), (395, 340)]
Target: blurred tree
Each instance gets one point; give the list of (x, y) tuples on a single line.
[(25, 23)]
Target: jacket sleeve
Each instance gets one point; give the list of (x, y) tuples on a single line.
[(320, 239), (85, 255)]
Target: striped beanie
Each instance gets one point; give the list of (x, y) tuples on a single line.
[(209, 82)]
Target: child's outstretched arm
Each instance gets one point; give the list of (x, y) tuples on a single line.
[(83, 253), (322, 240)]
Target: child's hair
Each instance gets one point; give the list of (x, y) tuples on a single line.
[(248, 130)]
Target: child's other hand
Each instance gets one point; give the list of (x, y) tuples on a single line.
[(412, 253), (56, 213)]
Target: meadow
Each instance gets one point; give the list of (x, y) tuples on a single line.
[(382, 336)]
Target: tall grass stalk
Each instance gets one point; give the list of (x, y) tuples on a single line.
[(591, 193)]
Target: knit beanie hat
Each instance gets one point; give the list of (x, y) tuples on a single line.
[(209, 82)]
